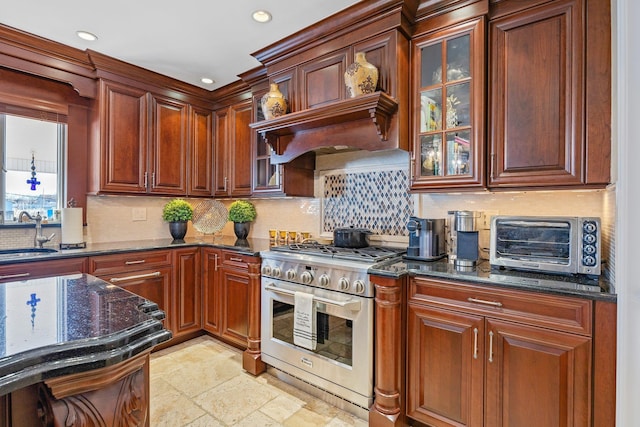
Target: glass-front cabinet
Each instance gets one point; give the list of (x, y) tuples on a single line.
[(448, 100)]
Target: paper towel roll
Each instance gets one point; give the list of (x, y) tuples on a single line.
[(71, 226)]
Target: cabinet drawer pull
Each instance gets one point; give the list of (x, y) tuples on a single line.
[(215, 261), (491, 347), (139, 276), (140, 261), (475, 343), (15, 276), (235, 259), (481, 301)]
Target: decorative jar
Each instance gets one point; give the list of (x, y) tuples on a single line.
[(361, 77), (273, 103)]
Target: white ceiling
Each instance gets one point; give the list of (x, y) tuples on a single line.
[(183, 39)]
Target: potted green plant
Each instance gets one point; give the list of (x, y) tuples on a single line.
[(177, 213), (242, 212)]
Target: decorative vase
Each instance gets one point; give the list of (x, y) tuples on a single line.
[(273, 103), (241, 229), (361, 77), (178, 229)]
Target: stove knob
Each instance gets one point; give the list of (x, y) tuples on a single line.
[(291, 274), (324, 280), (359, 286), (306, 277), (276, 272), (343, 284), (266, 270)]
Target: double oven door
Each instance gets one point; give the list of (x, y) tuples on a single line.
[(342, 362)]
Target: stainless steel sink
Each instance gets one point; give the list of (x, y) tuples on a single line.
[(25, 252)]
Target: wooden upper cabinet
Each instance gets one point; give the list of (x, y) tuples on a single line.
[(200, 174), (539, 65), (294, 178), (148, 144), (322, 79), (123, 139), (233, 150), (240, 167), (448, 99), (168, 147)]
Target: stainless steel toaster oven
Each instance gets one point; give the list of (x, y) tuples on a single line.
[(569, 245)]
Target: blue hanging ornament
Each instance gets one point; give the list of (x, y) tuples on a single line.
[(33, 180)]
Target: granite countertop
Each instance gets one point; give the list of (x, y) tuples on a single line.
[(62, 325), (483, 273), (251, 247)]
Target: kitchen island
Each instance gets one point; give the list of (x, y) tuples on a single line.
[(75, 349)]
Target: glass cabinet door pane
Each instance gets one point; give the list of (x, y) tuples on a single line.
[(431, 155), (458, 57), (458, 153), (431, 65), (458, 105), (431, 110)]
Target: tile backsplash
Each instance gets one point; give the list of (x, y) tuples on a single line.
[(375, 200)]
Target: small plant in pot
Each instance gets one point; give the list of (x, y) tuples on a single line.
[(242, 212), (177, 213)]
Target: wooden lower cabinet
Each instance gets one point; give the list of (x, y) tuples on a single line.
[(235, 305), (231, 302), (470, 363), (147, 273), (187, 302), (211, 304), (35, 269)]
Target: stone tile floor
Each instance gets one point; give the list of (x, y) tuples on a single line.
[(200, 383)]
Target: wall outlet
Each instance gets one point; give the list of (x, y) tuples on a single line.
[(485, 219), (139, 214)]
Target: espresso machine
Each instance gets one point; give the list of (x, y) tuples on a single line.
[(426, 239), (464, 236)]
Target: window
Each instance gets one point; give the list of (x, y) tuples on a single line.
[(32, 139)]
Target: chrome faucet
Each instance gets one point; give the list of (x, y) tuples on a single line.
[(38, 239)]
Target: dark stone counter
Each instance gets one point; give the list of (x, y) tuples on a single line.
[(63, 325), (483, 273), (251, 247)]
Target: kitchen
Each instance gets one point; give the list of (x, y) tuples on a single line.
[(106, 221)]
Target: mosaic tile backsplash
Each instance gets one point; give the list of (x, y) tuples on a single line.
[(375, 200)]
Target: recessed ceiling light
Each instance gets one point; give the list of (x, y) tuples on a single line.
[(85, 35), (261, 16), (207, 81)]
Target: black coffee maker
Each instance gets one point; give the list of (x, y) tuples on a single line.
[(426, 239)]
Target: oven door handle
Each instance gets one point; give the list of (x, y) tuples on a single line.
[(350, 305)]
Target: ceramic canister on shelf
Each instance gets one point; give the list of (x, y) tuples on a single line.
[(361, 77), (273, 103)]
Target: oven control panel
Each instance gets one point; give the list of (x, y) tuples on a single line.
[(332, 275)]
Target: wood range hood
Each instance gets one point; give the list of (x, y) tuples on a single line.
[(361, 123)]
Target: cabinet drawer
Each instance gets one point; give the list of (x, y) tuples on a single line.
[(132, 261), (561, 313), (236, 260), (33, 270)]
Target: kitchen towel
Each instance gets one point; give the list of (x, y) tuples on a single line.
[(304, 321), (71, 227)]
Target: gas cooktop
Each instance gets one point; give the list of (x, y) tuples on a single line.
[(370, 254)]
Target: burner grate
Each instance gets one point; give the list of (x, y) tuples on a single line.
[(369, 254)]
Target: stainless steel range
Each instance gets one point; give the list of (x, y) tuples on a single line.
[(340, 359)]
